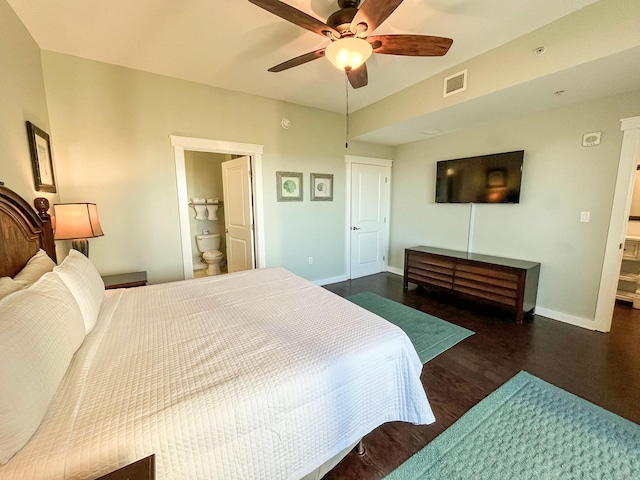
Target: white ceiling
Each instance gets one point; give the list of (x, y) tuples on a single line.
[(231, 43)]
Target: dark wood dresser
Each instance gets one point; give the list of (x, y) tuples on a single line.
[(505, 282), (143, 469), (125, 280)]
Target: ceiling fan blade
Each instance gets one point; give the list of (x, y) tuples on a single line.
[(296, 16), (373, 13), (294, 62), (358, 77), (410, 45)]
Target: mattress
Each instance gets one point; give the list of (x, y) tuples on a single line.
[(256, 374)]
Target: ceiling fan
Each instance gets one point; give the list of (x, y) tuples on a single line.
[(350, 31)]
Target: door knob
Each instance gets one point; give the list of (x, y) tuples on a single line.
[(355, 228)]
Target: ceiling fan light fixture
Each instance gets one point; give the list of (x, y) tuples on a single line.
[(348, 53)]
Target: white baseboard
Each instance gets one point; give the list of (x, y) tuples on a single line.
[(396, 270), (329, 281), (587, 323)]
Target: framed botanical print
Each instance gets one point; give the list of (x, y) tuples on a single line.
[(41, 160), (289, 186), (321, 187)]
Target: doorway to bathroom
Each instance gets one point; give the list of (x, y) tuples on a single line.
[(203, 171), (219, 200)]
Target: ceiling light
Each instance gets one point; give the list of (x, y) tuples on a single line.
[(348, 53)]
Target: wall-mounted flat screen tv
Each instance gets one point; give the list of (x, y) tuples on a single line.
[(494, 178)]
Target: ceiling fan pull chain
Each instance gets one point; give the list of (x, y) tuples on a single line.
[(346, 89)]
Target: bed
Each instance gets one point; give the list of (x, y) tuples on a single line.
[(256, 374)]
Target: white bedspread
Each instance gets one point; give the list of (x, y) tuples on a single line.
[(257, 374)]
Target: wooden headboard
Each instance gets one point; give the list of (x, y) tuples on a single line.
[(23, 231)]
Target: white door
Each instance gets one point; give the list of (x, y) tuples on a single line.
[(238, 214), (368, 219)]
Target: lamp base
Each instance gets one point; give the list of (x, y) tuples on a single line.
[(82, 245)]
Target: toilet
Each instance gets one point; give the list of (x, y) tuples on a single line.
[(209, 245)]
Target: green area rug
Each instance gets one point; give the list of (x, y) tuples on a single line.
[(430, 335), (530, 429)]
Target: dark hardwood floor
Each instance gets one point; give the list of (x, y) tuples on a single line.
[(601, 368)]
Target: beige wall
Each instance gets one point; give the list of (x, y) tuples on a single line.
[(112, 127), (560, 179), (22, 98)]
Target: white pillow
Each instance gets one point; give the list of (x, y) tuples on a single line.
[(40, 329), (37, 266), (8, 286), (85, 284)]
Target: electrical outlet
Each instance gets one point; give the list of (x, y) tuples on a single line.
[(584, 217), (310, 260)]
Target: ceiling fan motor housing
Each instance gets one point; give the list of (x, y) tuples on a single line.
[(348, 3), (341, 20)]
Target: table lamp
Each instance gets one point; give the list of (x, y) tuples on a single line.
[(77, 222)]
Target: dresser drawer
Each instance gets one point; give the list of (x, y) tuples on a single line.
[(505, 296), (487, 273), (430, 270)]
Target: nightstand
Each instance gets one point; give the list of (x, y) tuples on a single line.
[(144, 469), (125, 280)]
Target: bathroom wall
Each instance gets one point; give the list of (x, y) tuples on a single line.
[(204, 180)]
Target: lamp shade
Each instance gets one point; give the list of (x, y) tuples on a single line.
[(76, 220), (348, 53)]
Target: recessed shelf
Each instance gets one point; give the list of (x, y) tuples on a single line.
[(191, 204)]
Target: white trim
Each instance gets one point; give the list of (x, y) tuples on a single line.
[(618, 222), (329, 281), (216, 146), (349, 160), (180, 145), (566, 318), (382, 162), (396, 270), (347, 219), (630, 123), (544, 312)]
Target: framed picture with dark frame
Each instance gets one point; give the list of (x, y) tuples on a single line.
[(41, 160), (321, 187), (289, 186)]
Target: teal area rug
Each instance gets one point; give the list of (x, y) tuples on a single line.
[(430, 335), (530, 429)]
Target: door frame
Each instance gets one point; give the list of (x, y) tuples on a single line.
[(618, 222), (380, 162), (180, 145)]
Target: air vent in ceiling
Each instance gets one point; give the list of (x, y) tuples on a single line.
[(455, 83)]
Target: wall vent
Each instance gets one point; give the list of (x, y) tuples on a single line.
[(455, 83)]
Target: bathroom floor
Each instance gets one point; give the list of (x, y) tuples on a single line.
[(203, 272)]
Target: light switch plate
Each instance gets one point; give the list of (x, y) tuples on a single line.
[(585, 216)]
